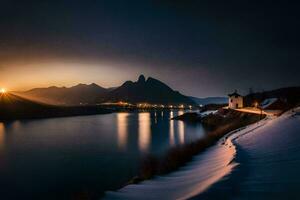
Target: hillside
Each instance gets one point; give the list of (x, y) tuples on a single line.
[(16, 107), (289, 95), (79, 94)]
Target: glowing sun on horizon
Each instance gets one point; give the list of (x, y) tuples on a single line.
[(3, 90)]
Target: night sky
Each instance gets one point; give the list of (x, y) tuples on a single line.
[(201, 48)]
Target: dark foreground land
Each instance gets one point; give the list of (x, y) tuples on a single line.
[(14, 107), (219, 125)]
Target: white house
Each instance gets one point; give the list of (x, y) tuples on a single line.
[(235, 100)]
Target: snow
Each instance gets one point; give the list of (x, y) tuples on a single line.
[(269, 158), (197, 176), (208, 112), (267, 152), (205, 169), (267, 102)]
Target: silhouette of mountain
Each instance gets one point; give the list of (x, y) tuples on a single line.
[(79, 94), (150, 90)]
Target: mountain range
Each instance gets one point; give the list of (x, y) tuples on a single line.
[(79, 94), (143, 90)]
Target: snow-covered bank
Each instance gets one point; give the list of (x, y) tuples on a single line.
[(206, 169), (269, 158), (259, 161)]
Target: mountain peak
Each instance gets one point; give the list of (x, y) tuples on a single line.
[(82, 85), (151, 79), (79, 85), (150, 90), (94, 85), (126, 83), (141, 79), (53, 87)]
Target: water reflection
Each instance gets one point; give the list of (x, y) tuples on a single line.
[(2, 146), (171, 132), (105, 147), (180, 112), (2, 135), (122, 124), (171, 114), (181, 128), (144, 134), (181, 132), (16, 125)]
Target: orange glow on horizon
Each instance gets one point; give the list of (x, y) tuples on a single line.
[(27, 75), (3, 90)]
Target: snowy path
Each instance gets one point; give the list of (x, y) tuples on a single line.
[(258, 111)]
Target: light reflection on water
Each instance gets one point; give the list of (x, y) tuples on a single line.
[(2, 136), (16, 125), (144, 131), (181, 132), (145, 122), (122, 124), (172, 134), (180, 112), (107, 148), (181, 128)]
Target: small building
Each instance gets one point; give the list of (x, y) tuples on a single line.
[(235, 100)]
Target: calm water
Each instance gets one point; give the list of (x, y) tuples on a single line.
[(68, 157)]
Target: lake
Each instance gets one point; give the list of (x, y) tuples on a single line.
[(85, 155)]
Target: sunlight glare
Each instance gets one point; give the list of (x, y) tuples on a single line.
[(3, 90)]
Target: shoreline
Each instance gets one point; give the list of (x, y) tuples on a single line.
[(98, 110), (7, 120), (183, 184), (165, 186), (13, 107)]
